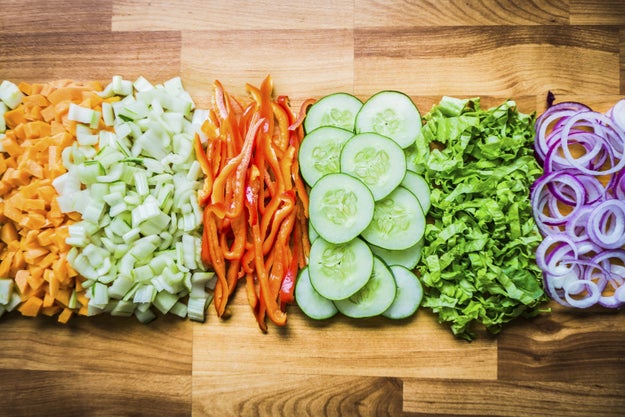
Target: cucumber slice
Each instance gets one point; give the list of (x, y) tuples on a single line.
[(312, 233), (338, 271), (398, 221), (338, 110), (340, 207), (409, 294), (392, 114), (320, 152), (310, 301), (408, 258), (375, 297), (375, 160), (417, 185)]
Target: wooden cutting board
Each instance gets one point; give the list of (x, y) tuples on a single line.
[(566, 363)]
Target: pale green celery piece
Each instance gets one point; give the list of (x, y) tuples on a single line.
[(85, 135), (120, 86), (197, 308), (144, 294), (3, 126), (143, 274), (82, 265), (142, 85), (164, 301), (13, 302), (141, 183), (122, 130), (10, 94), (113, 198), (109, 119), (145, 316), (123, 308), (99, 295), (83, 115), (6, 290), (119, 227), (120, 286), (73, 300), (179, 309)]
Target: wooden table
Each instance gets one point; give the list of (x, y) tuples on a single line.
[(567, 363)]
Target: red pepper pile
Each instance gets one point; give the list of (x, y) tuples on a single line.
[(255, 202)]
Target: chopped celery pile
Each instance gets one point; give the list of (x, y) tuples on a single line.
[(135, 186)]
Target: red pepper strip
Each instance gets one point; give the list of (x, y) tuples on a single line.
[(239, 166), (276, 271), (286, 167), (283, 101), (200, 154), (302, 113), (276, 315), (216, 259), (252, 297), (287, 206), (233, 275), (303, 241), (282, 139), (220, 100), (239, 232), (287, 289), (283, 255)]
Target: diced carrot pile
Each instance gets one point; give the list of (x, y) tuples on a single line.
[(33, 251)]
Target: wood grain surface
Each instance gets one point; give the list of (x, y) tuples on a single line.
[(566, 363)]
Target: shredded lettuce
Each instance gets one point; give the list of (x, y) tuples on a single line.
[(478, 261)]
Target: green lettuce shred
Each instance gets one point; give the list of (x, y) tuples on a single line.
[(478, 262)]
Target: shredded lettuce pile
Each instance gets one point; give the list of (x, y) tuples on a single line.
[(478, 262)]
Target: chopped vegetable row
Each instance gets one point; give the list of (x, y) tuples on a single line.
[(129, 200)]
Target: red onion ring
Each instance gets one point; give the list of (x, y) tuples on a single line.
[(606, 224)]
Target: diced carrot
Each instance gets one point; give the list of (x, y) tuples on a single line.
[(5, 264), (65, 315), (48, 300), (33, 251), (48, 113), (63, 295), (34, 282), (66, 94), (31, 306), (25, 87), (37, 129), (8, 233), (50, 311), (21, 280), (14, 117)]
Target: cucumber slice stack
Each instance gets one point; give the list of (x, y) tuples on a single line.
[(367, 209)]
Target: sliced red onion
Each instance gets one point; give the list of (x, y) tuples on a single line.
[(579, 204)]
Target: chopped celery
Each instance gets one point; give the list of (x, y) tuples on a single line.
[(10, 94), (6, 291), (135, 186)]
